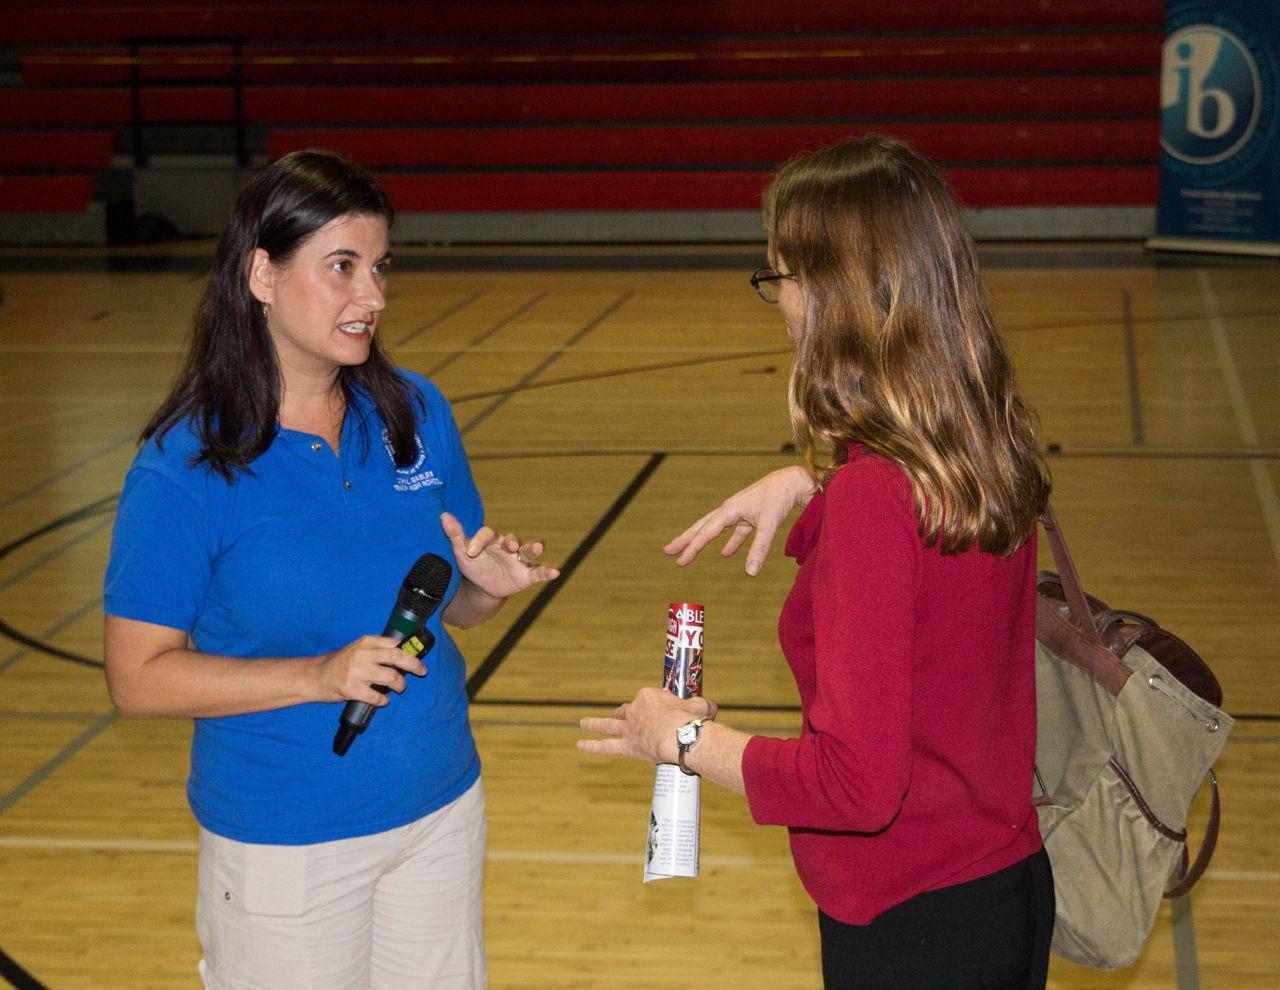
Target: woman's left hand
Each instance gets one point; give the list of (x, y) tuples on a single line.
[(645, 728), (762, 507), (496, 563)]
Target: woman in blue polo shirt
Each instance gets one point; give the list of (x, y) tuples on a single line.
[(284, 489)]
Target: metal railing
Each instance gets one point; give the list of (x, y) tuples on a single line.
[(137, 58)]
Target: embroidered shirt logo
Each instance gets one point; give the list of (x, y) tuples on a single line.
[(416, 476)]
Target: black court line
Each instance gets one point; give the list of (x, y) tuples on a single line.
[(42, 644), (32, 643), (437, 319), (14, 499), (84, 512), (16, 975), (1101, 323), (535, 608), (103, 722), (99, 507), (546, 362), (108, 502), (1128, 323), (1131, 360), (9, 969), (620, 372), (1146, 454), (1165, 320), (485, 335), (516, 455), (39, 562), (1166, 455)]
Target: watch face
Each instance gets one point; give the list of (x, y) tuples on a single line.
[(687, 734)]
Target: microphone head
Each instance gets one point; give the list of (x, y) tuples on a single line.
[(425, 585)]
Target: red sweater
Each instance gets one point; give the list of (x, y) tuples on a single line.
[(916, 671)]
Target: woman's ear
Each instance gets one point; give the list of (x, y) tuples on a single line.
[(261, 276)]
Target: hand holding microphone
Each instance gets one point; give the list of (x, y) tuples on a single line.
[(403, 640), (494, 566), (368, 669)]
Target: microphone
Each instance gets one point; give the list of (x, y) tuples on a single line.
[(420, 595)]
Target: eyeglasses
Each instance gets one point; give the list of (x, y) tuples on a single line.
[(768, 283)]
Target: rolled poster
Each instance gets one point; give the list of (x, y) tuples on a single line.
[(672, 846)]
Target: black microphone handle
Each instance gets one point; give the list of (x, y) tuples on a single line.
[(356, 714), (402, 624)]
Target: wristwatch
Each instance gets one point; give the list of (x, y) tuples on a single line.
[(687, 737)]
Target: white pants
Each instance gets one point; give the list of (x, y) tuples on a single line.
[(399, 910)]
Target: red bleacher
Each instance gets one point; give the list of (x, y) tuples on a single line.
[(720, 190), (587, 62), (28, 157), (86, 22), (1134, 96), (718, 144), (76, 106), (45, 193), (1091, 96), (57, 149), (570, 106)]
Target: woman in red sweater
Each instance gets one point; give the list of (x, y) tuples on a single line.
[(910, 628)]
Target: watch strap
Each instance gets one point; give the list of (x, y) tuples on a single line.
[(683, 748)]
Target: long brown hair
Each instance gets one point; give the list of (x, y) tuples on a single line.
[(229, 384), (899, 350)]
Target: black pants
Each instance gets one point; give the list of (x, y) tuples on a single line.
[(992, 933)]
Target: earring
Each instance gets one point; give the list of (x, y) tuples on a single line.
[(266, 313)]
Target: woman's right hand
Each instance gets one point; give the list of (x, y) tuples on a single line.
[(349, 674), (762, 506)]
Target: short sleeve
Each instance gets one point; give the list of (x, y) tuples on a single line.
[(461, 497), (160, 562)]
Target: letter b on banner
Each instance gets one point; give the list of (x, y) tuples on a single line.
[(1210, 95), (1219, 127)]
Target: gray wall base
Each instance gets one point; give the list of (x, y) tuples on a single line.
[(89, 227), (195, 194), (1205, 245), (599, 226), (1021, 224), (1062, 223), (195, 197)]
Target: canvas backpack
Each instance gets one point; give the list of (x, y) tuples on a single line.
[(1128, 727)]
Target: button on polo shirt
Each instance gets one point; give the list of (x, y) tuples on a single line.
[(299, 556), (341, 471)]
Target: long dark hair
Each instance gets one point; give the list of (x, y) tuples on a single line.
[(229, 384), (899, 350)]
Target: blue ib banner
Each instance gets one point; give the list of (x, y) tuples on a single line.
[(1219, 149)]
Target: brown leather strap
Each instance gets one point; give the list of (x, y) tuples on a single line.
[(1071, 588), (1145, 808), (1190, 876), (1066, 641)]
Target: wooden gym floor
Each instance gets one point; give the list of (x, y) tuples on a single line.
[(608, 398)]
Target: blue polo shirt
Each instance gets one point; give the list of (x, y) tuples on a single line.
[(300, 556)]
